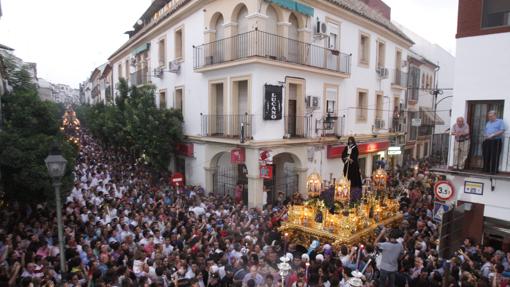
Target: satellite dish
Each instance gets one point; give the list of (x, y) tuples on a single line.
[(139, 22)]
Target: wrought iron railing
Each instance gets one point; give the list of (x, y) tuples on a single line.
[(472, 153), (273, 47), (298, 126), (227, 125), (399, 78)]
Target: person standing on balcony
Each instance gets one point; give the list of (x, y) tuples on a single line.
[(460, 131), (493, 143)]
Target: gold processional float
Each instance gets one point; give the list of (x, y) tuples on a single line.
[(350, 223)]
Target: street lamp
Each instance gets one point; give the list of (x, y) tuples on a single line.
[(56, 165)]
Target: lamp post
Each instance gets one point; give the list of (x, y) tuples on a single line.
[(56, 165)]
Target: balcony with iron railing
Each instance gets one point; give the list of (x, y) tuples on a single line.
[(270, 47), (298, 126), (232, 126), (474, 155), (399, 79), (140, 77)]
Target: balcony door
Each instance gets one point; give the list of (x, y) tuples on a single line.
[(477, 118), (293, 44), (270, 46), (217, 117), (239, 106), (295, 109), (242, 41)]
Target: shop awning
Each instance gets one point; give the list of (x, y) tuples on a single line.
[(294, 6), (141, 48)]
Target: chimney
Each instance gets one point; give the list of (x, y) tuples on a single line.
[(379, 6)]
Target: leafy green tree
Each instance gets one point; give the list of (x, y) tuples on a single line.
[(31, 127), (135, 125)]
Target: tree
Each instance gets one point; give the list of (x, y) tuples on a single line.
[(31, 127), (134, 124)]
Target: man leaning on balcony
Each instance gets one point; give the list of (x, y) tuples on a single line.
[(460, 131), (493, 143)]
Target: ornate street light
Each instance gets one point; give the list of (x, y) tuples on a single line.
[(56, 165)]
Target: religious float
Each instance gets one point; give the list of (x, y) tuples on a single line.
[(331, 216)]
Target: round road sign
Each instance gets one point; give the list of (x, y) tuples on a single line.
[(443, 190)]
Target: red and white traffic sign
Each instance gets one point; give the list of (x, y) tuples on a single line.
[(443, 190)]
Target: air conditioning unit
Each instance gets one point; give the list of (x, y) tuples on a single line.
[(312, 102), (174, 66), (404, 63), (315, 103), (132, 61), (379, 124), (321, 29), (159, 72), (382, 72)]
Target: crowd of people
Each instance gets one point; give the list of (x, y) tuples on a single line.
[(125, 226)]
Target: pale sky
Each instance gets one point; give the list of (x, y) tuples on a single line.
[(69, 38)]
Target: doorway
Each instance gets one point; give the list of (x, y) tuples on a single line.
[(294, 109), (476, 119)]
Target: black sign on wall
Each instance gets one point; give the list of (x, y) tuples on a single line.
[(273, 102)]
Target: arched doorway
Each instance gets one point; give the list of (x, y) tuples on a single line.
[(227, 176), (285, 177), (293, 38)]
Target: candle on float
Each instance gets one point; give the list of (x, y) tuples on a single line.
[(359, 254)]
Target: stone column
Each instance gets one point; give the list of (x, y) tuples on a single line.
[(283, 45), (302, 175), (209, 179), (255, 189), (228, 45)]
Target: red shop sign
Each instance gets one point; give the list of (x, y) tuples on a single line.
[(177, 179), (335, 151), (185, 149), (237, 155), (266, 171)]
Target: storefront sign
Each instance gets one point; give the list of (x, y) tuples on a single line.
[(472, 187), (185, 149), (394, 150), (416, 122), (177, 179), (266, 171), (273, 103), (265, 157), (443, 190), (335, 151), (237, 155)]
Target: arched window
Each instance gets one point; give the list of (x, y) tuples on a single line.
[(242, 21), (293, 29), (272, 21), (220, 30)]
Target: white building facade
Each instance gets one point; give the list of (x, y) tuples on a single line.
[(285, 78)]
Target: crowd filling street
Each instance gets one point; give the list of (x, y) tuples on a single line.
[(125, 226)]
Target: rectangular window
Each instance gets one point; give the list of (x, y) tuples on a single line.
[(179, 44), (379, 106), (362, 108), (162, 52), (162, 99), (381, 51), (364, 49), (331, 96), (178, 98), (119, 72), (496, 13), (127, 70), (398, 60)]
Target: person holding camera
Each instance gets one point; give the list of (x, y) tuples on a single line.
[(390, 254)]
